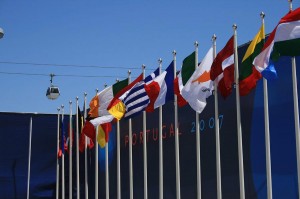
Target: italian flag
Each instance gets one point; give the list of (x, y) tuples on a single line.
[(283, 41), (248, 74), (187, 70)]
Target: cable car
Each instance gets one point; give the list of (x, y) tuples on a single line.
[(52, 91)]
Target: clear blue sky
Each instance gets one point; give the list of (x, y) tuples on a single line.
[(117, 34)]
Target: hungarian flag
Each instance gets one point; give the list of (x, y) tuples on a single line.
[(248, 74), (187, 69), (199, 86), (116, 106), (283, 41), (161, 89), (222, 68)]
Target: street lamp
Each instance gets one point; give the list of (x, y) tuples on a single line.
[(1, 33)]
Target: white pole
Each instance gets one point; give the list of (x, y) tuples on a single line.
[(198, 154), (239, 125), (71, 152), (106, 166), (267, 131), (86, 155), (217, 130), (96, 164), (145, 147), (118, 162), (62, 158), (57, 161), (177, 161), (29, 156), (296, 111), (77, 149), (160, 138), (130, 153)]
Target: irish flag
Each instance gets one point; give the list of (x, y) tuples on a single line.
[(283, 41), (248, 74)]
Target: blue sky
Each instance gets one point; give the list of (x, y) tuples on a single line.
[(116, 34)]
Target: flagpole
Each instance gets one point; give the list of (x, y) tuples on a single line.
[(198, 136), (239, 125), (217, 130), (96, 159), (71, 151), (296, 110), (130, 152), (267, 130), (86, 155), (57, 161), (177, 161), (29, 156), (106, 166), (62, 158), (161, 163), (145, 147), (118, 160), (77, 149)]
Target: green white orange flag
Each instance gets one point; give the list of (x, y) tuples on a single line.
[(187, 69), (199, 86), (248, 73)]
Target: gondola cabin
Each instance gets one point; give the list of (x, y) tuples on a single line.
[(52, 92)]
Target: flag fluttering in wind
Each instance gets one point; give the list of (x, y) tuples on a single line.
[(199, 86), (82, 137), (283, 41), (116, 107), (222, 68), (137, 99), (62, 140), (161, 89), (187, 69), (248, 74)]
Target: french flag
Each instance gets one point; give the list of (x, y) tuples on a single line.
[(161, 89)]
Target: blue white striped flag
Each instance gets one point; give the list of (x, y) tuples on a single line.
[(137, 99)]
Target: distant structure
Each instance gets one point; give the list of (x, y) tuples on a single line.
[(52, 91)]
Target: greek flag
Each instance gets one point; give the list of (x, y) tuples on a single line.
[(137, 99)]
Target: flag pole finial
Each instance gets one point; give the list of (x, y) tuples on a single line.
[(70, 102), (77, 98), (117, 80), (143, 66), (214, 37), (105, 85), (234, 26), (58, 109), (62, 106), (262, 15), (160, 60), (291, 5), (129, 72), (174, 52), (97, 90), (85, 94), (196, 44)]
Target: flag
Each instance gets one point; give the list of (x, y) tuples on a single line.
[(103, 134), (283, 41), (161, 89), (137, 99), (248, 74), (222, 69), (116, 107), (82, 136), (62, 140), (187, 69), (199, 86)]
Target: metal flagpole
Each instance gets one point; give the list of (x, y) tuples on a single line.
[(96, 160), (267, 130), (77, 149), (71, 151), (29, 156), (86, 155), (198, 136), (161, 163), (296, 110), (145, 147), (106, 166), (62, 158), (57, 161), (178, 195), (218, 156), (118, 160), (239, 125), (130, 153)]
